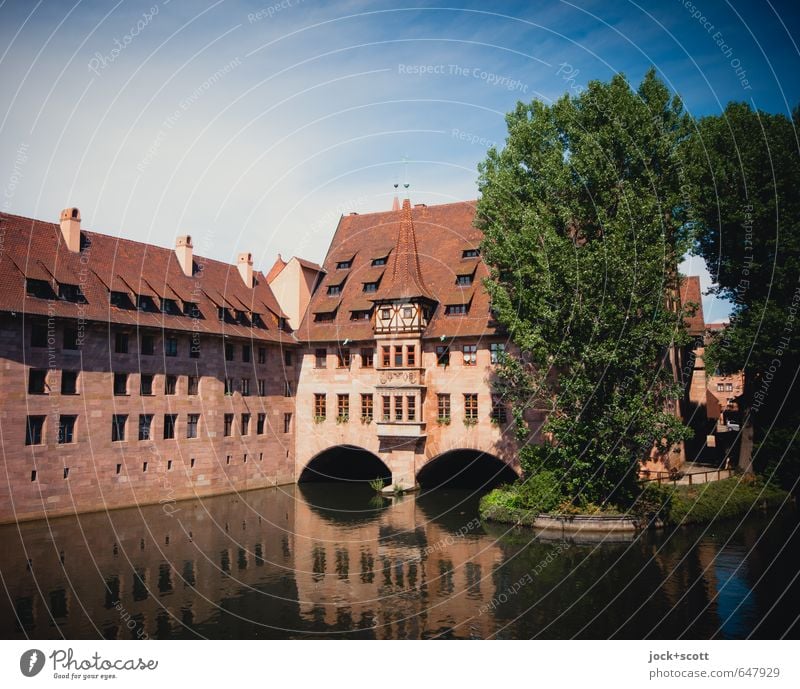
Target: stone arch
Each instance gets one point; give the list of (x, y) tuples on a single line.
[(344, 463), (467, 467)]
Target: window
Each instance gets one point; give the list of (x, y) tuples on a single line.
[(222, 312), (262, 387), (379, 261), (344, 265), (398, 408), (262, 355), (370, 287), (121, 343), (194, 346), (147, 344), (171, 346), (320, 358), (320, 406), (386, 314), (120, 384), (367, 358), (287, 422), (38, 288), (245, 387), (71, 293), (442, 355), (36, 381), (343, 358), (146, 384), (192, 385), (287, 357), (192, 422), (498, 410), (66, 473), (720, 387), (66, 429), (386, 356), (260, 420), (228, 425), (245, 427), (470, 406), (455, 309), (470, 253), (70, 340), (411, 408), (170, 384), (170, 306), (463, 280), (496, 349), (443, 407), (470, 355), (69, 382), (343, 407), (170, 420), (147, 304), (360, 315), (246, 353), (411, 355), (287, 389), (118, 422), (228, 351), (229, 386), (387, 407), (190, 309), (325, 317), (398, 356), (334, 290), (728, 387), (366, 407), (38, 335), (33, 430), (145, 425), (120, 300)]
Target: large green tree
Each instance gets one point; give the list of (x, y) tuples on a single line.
[(744, 172), (584, 227)]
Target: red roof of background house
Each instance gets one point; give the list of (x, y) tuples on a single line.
[(35, 249), (690, 293), (441, 234)]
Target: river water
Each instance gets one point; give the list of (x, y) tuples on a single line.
[(331, 560)]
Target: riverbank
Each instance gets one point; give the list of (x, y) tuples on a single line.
[(657, 506)]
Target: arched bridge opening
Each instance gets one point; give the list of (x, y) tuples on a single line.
[(465, 469), (345, 463)]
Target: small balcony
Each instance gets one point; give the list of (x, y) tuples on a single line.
[(401, 429)]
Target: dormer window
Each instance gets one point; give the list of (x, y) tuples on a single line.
[(344, 265), (121, 300), (71, 293), (470, 253), (258, 321), (170, 307), (463, 280), (146, 303), (241, 317), (360, 315), (40, 289), (455, 309), (334, 290), (221, 313), (379, 261), (370, 287), (325, 317), (190, 309)]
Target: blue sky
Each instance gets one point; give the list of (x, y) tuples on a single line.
[(253, 125)]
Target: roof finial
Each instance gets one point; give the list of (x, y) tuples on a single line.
[(395, 201)]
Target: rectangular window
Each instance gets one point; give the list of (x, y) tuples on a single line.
[(38, 288), (70, 338), (498, 409), (367, 358), (192, 424), (398, 356), (470, 355), (463, 280), (343, 358), (720, 387), (171, 346), (121, 343), (496, 349), (228, 425), (120, 300), (728, 387), (262, 387), (386, 314), (360, 315), (411, 355), (145, 425), (366, 407), (379, 261), (470, 253), (443, 407), (245, 427), (398, 408), (33, 430), (228, 351), (118, 422), (470, 406), (146, 384), (246, 353), (334, 290), (71, 293), (69, 382), (411, 408), (38, 335), (287, 389), (344, 265), (287, 357), (194, 346), (191, 309), (192, 385), (245, 387), (260, 421), (320, 405), (169, 426), (170, 384), (386, 356), (36, 381), (370, 287), (343, 407), (320, 358), (262, 355), (287, 422), (229, 386), (147, 344), (442, 355), (408, 312), (386, 402), (66, 428), (120, 383)]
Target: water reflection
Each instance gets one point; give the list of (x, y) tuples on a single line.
[(330, 560)]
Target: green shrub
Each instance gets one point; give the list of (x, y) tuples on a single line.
[(541, 492)]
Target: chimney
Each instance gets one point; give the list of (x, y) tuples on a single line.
[(245, 264), (183, 252), (71, 228)]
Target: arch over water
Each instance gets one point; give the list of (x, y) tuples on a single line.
[(465, 468), (348, 463)]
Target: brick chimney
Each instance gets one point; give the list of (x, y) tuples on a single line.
[(71, 228), (183, 252), (245, 264)]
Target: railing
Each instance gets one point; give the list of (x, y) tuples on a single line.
[(667, 477)]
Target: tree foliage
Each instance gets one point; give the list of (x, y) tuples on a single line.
[(584, 225)]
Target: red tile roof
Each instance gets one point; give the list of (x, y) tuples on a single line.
[(690, 293), (440, 234), (35, 249)]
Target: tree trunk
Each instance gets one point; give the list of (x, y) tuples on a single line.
[(746, 445)]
